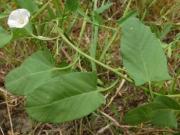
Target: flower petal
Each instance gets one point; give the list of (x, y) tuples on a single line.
[(18, 18)]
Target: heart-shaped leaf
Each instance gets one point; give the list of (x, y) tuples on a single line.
[(138, 115), (67, 97), (4, 37), (160, 112), (54, 95), (34, 71), (167, 102), (142, 54)]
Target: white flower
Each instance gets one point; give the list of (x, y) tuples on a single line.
[(18, 18)]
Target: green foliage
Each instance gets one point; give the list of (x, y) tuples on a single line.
[(167, 102), (96, 14), (161, 113), (72, 5), (127, 16), (164, 118), (65, 98), (97, 19), (142, 54), (145, 61), (103, 8), (2, 16), (54, 96), (27, 4), (23, 32), (5, 37), (34, 71)]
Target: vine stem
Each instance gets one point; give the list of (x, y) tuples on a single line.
[(174, 96), (70, 43)]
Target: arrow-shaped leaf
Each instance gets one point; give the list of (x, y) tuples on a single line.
[(142, 54), (67, 97), (34, 71), (160, 112)]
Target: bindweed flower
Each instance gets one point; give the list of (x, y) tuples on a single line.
[(18, 18)]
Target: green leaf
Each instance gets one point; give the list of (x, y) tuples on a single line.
[(23, 32), (34, 71), (2, 16), (19, 33), (130, 14), (97, 19), (167, 102), (64, 98), (54, 95), (161, 112), (4, 37), (164, 118), (139, 114), (153, 113), (72, 5), (28, 4), (142, 54), (103, 8)]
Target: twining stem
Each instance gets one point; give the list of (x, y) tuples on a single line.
[(70, 43), (174, 96)]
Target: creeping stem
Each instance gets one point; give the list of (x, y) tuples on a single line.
[(71, 44)]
